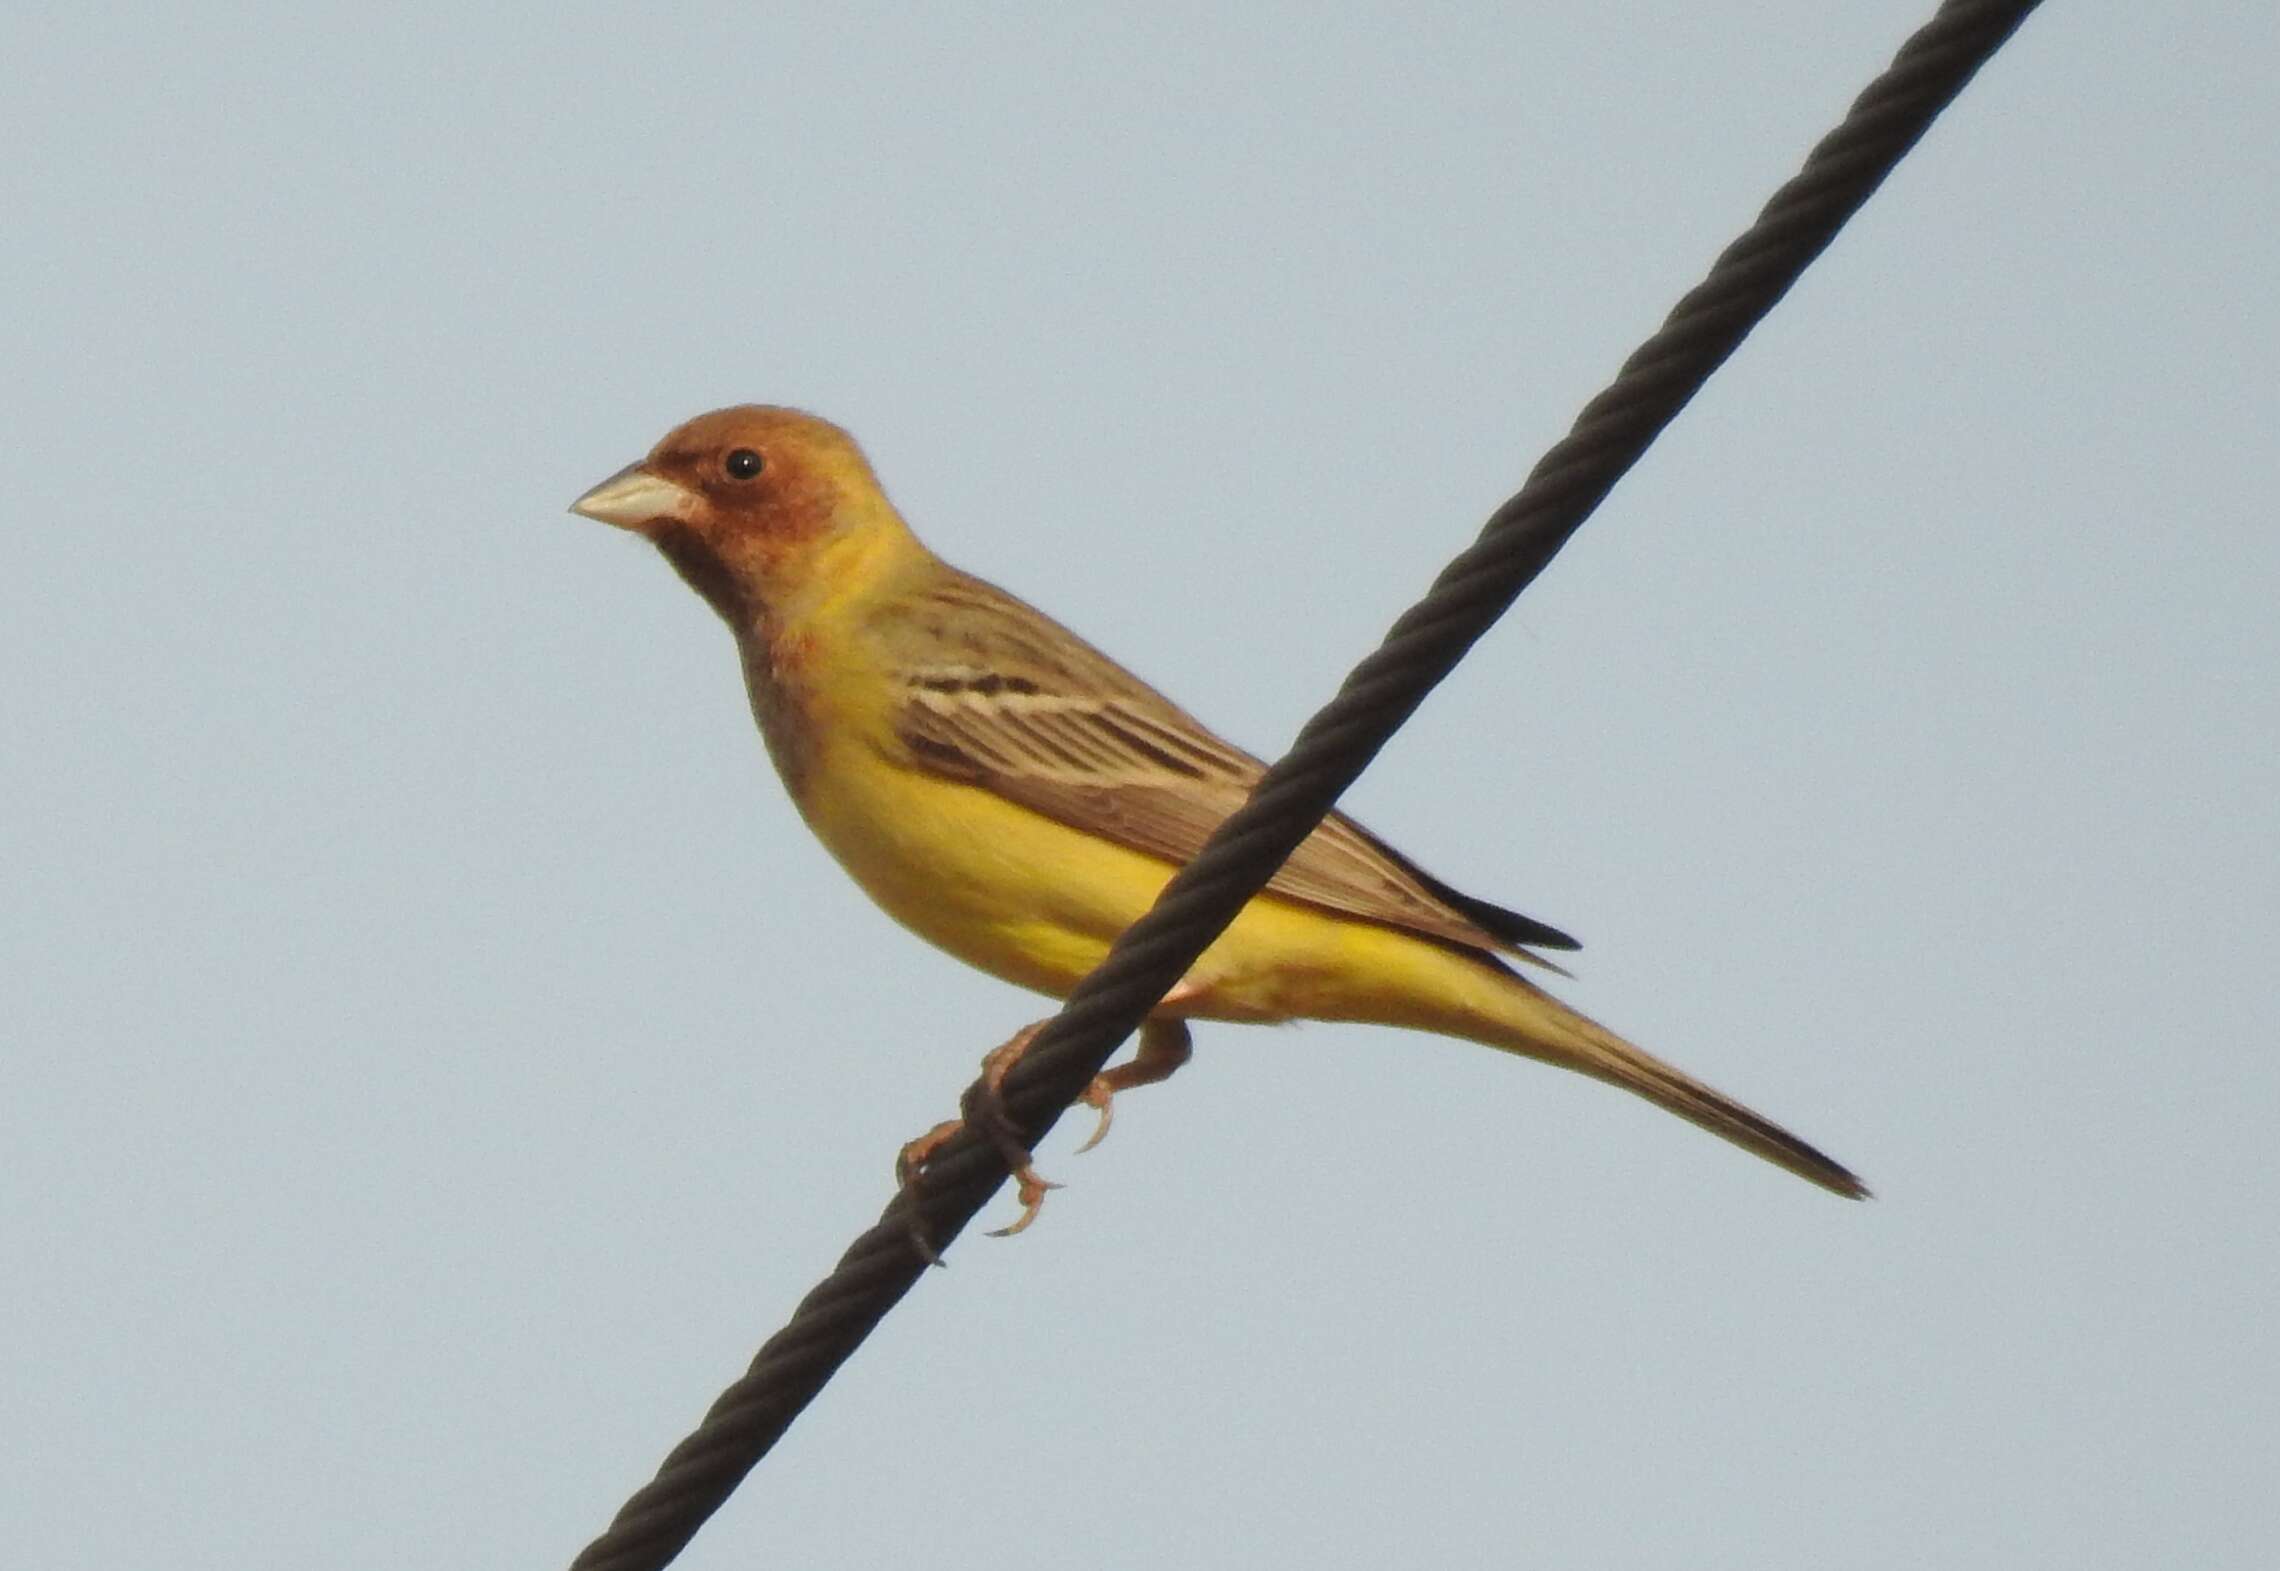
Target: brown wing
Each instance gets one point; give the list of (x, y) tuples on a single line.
[(1006, 698)]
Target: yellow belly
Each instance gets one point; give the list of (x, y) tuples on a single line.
[(1037, 903)]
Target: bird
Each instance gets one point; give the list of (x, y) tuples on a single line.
[(1014, 796)]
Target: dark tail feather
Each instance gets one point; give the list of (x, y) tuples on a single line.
[(1554, 1032)]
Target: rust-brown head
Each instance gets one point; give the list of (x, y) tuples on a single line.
[(749, 504)]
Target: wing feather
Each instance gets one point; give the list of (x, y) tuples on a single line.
[(999, 695)]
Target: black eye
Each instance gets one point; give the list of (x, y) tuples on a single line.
[(742, 464)]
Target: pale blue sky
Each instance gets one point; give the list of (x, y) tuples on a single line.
[(436, 1055)]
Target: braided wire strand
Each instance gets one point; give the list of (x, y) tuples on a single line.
[(1423, 646)]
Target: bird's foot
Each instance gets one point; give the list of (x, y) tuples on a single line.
[(984, 1105), (1163, 1049), (910, 1164), (984, 1109)]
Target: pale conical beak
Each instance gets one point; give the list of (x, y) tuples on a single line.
[(633, 498)]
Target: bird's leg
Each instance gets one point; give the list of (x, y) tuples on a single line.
[(909, 1161), (1164, 1047), (986, 1101), (987, 1113)]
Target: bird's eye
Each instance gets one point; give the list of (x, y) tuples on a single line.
[(742, 464)]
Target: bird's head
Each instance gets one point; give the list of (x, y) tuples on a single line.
[(752, 505)]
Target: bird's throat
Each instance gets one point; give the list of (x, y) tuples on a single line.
[(701, 568)]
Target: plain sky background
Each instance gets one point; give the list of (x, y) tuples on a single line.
[(435, 1055)]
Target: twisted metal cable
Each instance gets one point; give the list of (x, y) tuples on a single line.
[(1423, 646)]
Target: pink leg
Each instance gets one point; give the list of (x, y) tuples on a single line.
[(1164, 1046)]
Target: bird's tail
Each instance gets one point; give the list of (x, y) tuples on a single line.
[(1527, 1020)]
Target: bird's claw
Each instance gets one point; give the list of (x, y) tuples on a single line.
[(984, 1105), (984, 1110), (915, 1154), (1100, 1096), (910, 1166), (1030, 1190), (1163, 1048)]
